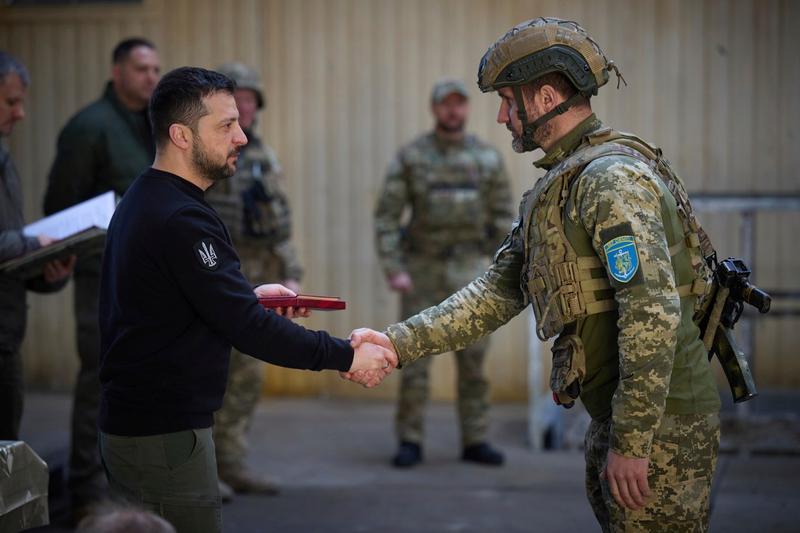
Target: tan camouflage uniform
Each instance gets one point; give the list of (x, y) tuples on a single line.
[(665, 406), (256, 211), (459, 198)]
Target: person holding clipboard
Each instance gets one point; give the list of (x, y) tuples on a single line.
[(14, 81)]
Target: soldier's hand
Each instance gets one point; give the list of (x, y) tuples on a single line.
[(401, 282), (627, 480), (371, 364), (366, 337), (357, 336)]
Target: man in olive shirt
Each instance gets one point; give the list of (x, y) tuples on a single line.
[(102, 148)]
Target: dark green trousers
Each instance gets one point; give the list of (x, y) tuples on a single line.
[(174, 475), (86, 481)]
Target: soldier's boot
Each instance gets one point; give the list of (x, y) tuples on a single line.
[(225, 491), (410, 408), (408, 455), (243, 481), (483, 453)]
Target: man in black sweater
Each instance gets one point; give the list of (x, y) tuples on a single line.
[(172, 303)]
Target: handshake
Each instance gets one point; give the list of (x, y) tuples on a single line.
[(374, 357)]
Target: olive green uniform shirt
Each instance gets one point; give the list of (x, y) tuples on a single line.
[(104, 147)]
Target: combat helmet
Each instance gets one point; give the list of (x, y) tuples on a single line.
[(537, 47), (245, 78)]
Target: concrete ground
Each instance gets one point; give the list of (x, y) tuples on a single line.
[(332, 458)]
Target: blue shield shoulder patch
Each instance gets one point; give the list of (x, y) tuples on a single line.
[(622, 258)]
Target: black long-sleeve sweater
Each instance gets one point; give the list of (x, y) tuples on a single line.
[(172, 303)]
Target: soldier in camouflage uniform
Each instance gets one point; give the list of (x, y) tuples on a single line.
[(609, 254), (458, 193), (256, 211)]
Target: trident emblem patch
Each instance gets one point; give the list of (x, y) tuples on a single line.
[(206, 254)]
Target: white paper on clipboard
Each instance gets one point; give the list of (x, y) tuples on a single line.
[(96, 212)]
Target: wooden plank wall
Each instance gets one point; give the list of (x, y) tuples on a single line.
[(713, 82)]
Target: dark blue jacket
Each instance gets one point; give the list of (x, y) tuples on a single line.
[(172, 302)]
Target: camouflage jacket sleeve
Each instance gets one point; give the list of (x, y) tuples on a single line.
[(388, 214), (619, 203), (498, 203), (470, 314)]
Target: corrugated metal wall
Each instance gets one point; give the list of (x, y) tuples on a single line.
[(714, 83)]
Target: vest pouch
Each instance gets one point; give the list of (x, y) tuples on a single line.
[(549, 321), (569, 369), (265, 213), (537, 292), (454, 205)]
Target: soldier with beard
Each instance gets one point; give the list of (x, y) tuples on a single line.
[(457, 191), (610, 255)]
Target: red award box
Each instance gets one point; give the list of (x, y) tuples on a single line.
[(321, 303)]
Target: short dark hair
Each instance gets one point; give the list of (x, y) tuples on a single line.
[(178, 98), (124, 48), (11, 65), (556, 80)]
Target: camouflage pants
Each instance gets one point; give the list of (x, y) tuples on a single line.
[(433, 282), (682, 462), (245, 376), (232, 421)]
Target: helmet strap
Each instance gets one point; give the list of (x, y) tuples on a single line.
[(528, 144), (528, 129)]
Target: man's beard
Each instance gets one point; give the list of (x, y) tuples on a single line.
[(516, 142), (541, 135), (458, 127), (207, 168)]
